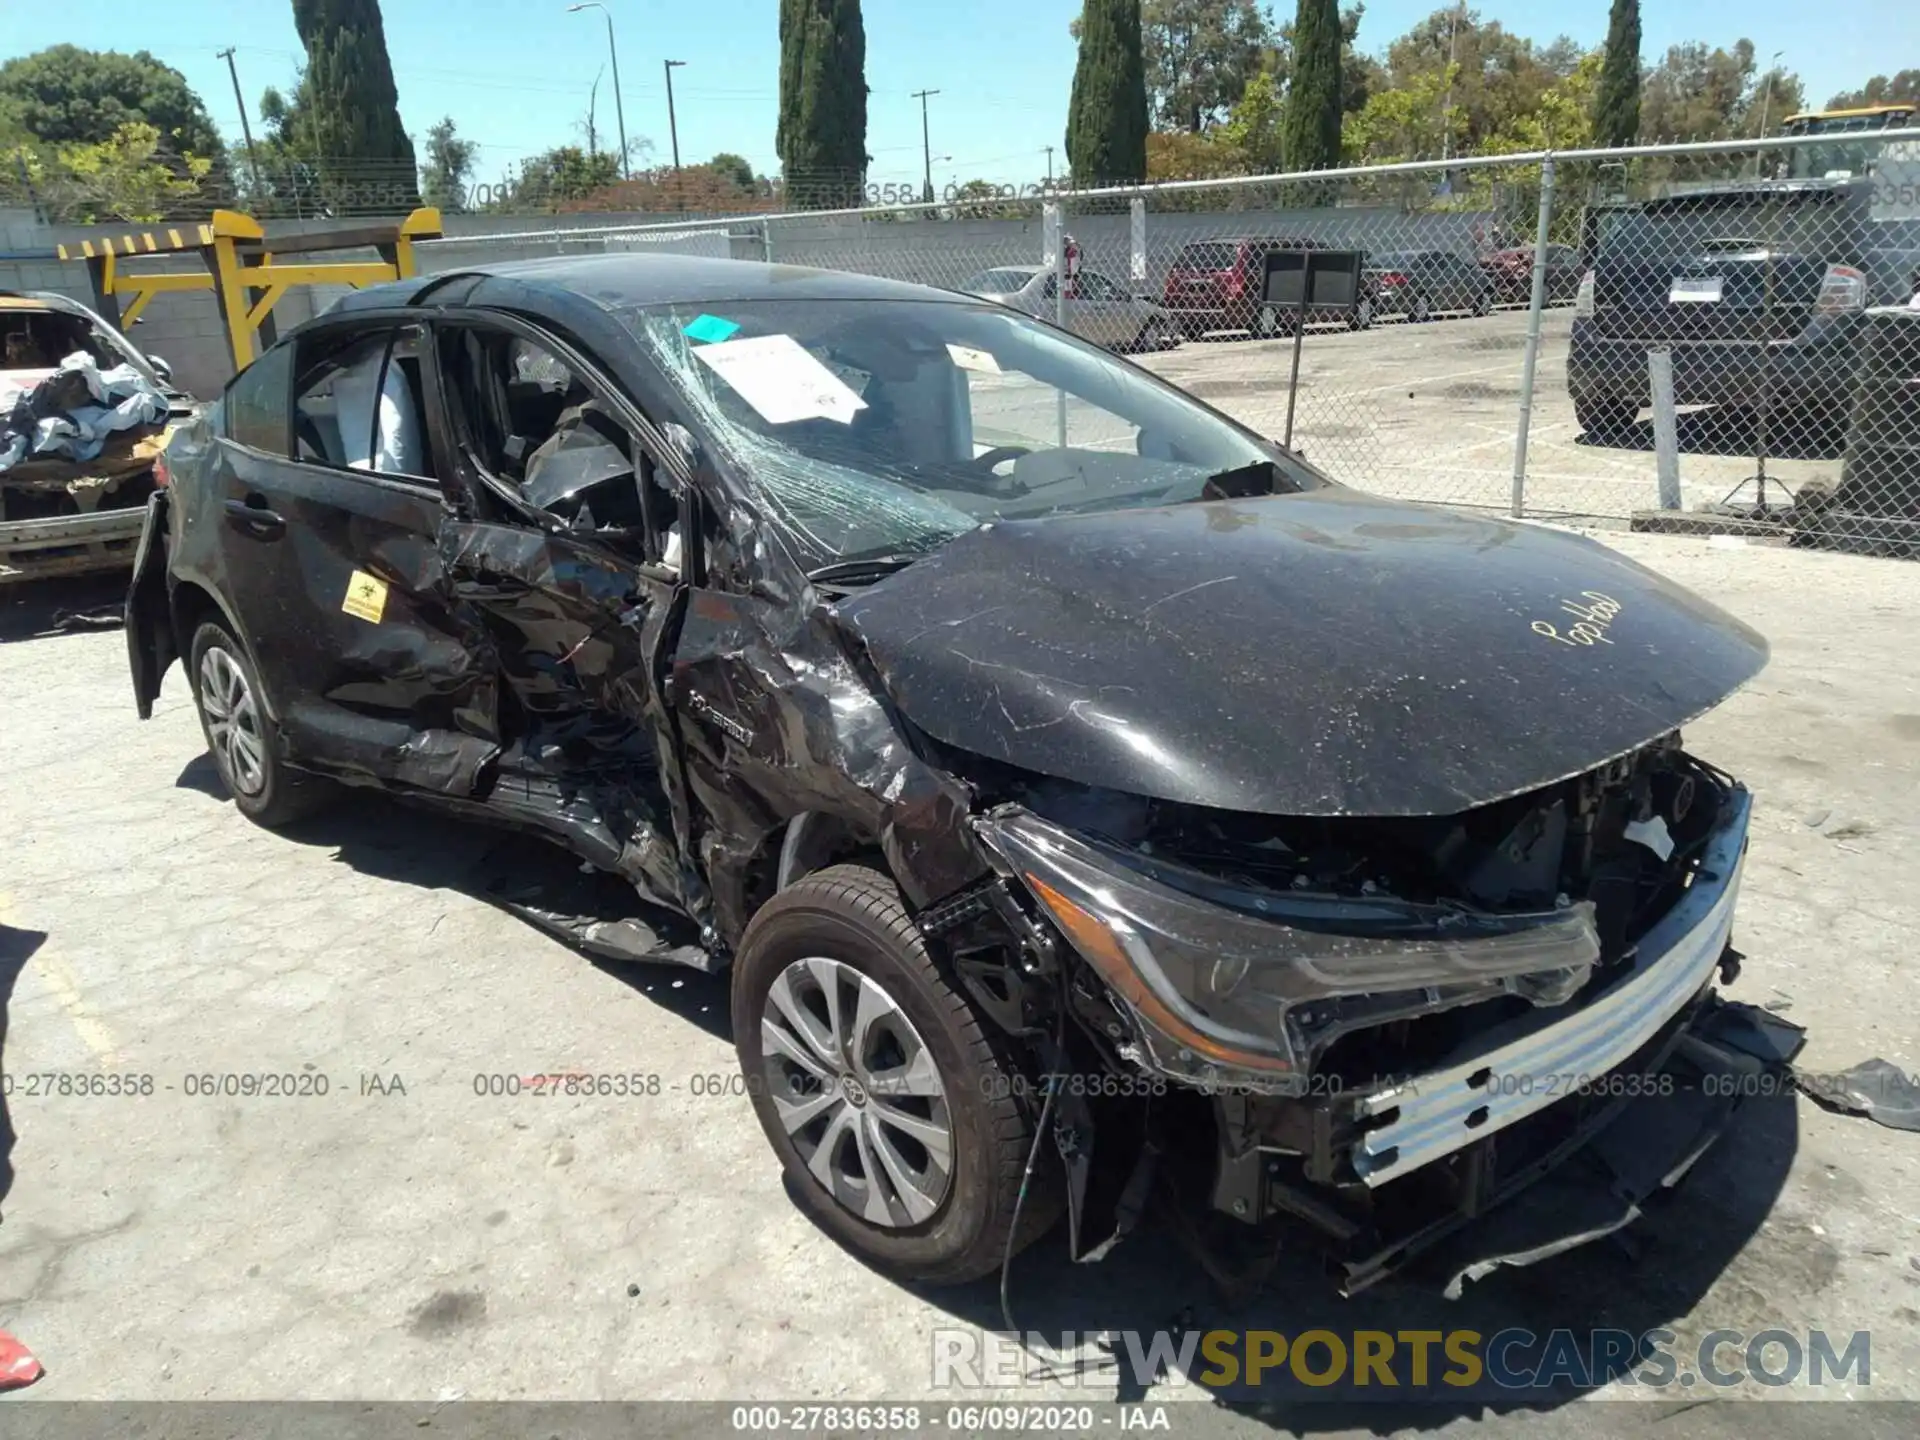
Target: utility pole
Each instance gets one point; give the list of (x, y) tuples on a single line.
[(1766, 105), (926, 144), (673, 126), (593, 103), (1446, 107), (619, 108), (1049, 167), (253, 158)]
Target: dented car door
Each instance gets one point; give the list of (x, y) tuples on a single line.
[(572, 610)]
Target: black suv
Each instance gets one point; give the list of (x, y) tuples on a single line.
[(1068, 776), (1757, 290)]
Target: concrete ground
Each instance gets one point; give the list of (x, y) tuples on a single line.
[(405, 1237), (1429, 412)]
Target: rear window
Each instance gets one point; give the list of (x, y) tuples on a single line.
[(1672, 229), (1214, 255)]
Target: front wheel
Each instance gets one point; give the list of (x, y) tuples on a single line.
[(241, 735), (898, 1117)]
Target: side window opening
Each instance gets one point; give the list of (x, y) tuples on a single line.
[(254, 408), (358, 405), (539, 432)]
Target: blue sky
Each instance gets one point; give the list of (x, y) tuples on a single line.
[(515, 74)]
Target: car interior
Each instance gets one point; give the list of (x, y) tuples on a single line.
[(41, 339), (534, 430)]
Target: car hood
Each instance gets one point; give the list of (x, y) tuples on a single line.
[(1327, 653)]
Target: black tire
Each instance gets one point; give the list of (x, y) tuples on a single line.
[(1605, 416), (853, 915), (282, 794)]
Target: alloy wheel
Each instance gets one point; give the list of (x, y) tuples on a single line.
[(233, 722), (858, 1092)]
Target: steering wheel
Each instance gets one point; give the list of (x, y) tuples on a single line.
[(990, 458)]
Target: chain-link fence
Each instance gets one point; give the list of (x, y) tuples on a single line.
[(1637, 334)]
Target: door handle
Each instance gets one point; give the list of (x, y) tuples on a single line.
[(252, 518)]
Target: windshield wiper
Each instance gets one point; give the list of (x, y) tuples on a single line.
[(855, 572)]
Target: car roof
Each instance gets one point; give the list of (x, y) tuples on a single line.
[(42, 302), (624, 281)]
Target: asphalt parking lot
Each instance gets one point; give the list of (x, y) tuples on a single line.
[(1429, 412), (405, 1236)]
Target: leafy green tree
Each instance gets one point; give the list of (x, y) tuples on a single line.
[(1880, 90), (1695, 93), (559, 176), (1616, 113), (66, 95), (1199, 57), (1107, 114), (449, 166), (1310, 130), (1253, 128), (822, 134), (129, 176), (735, 168), (350, 110)]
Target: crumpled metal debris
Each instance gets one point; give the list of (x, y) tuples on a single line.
[(1877, 1089)]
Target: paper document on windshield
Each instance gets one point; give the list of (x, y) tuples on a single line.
[(777, 377)]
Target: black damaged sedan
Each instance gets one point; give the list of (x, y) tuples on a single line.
[(1089, 799)]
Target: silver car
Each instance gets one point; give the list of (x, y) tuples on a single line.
[(1096, 308)]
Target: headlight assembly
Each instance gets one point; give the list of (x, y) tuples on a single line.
[(1219, 993)]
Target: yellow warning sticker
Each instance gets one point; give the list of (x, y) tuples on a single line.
[(366, 596)]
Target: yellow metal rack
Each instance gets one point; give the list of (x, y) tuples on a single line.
[(242, 266)]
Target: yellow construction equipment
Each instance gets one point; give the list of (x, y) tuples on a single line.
[(242, 266)]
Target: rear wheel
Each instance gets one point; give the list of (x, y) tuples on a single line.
[(1361, 317), (1483, 303), (1605, 416), (241, 735), (1270, 322), (1422, 310), (897, 1116)]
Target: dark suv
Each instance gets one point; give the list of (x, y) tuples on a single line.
[(1757, 291), (1067, 776)]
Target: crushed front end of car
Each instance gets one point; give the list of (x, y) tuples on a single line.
[(1395, 1024), (1366, 884)]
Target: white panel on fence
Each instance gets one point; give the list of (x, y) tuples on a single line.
[(1137, 268), (1050, 235)]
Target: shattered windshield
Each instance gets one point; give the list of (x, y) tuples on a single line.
[(883, 428)]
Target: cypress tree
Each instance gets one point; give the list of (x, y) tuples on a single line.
[(351, 108), (1310, 128), (822, 133), (1616, 104), (1107, 115)]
